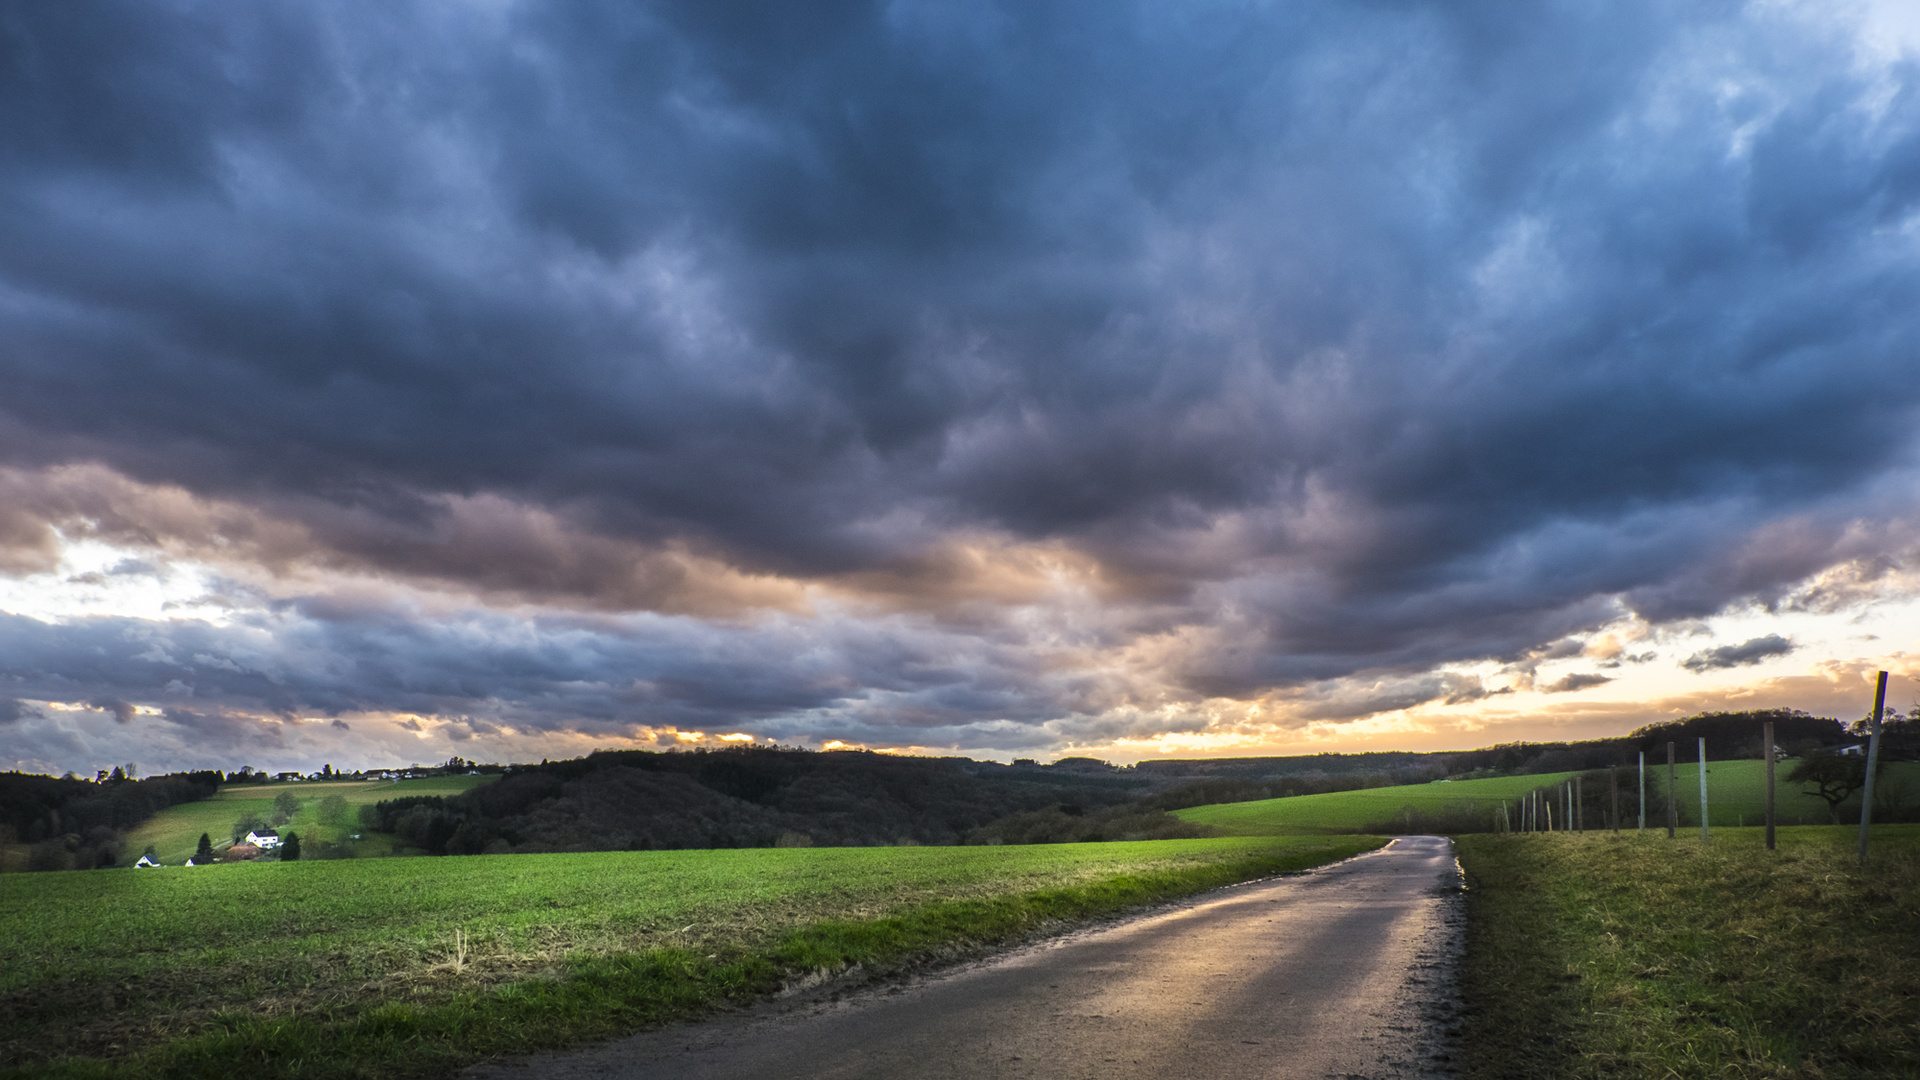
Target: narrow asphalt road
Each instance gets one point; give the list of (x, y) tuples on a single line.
[(1344, 972)]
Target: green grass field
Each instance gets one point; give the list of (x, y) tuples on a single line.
[(1637, 956), (1736, 795), (175, 831), (1349, 810), (193, 972)]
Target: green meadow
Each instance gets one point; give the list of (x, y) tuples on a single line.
[(1345, 811), (1736, 795), (1594, 955), (175, 831), (415, 966)]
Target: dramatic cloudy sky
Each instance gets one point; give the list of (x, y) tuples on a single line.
[(385, 380)]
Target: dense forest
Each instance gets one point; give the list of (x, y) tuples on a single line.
[(76, 824), (745, 797)]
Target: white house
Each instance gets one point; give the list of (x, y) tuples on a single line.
[(264, 839), (146, 863)]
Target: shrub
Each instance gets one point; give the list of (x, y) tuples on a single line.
[(246, 825), (49, 855)]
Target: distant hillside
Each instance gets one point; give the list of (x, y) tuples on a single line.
[(759, 796), (1200, 782), (1384, 764), (66, 823), (746, 797)]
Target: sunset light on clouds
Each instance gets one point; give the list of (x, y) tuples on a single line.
[(383, 382)]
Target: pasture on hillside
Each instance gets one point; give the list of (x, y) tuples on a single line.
[(1348, 811), (1736, 795), (520, 950), (175, 831)]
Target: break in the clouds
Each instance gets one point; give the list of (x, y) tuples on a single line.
[(1004, 377)]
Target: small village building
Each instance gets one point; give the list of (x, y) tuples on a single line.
[(242, 852), (146, 863), (264, 839)]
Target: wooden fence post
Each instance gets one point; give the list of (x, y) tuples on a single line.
[(1766, 747), (1643, 791), (1613, 796), (1703, 790), (1673, 812), (1579, 808), (1873, 758)]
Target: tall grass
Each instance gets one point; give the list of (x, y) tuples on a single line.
[(1635, 956)]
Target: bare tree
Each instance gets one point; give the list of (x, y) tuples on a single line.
[(1833, 777)]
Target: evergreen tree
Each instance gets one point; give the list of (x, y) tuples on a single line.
[(290, 848), (204, 853)]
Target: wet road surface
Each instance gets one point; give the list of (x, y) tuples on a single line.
[(1344, 972)]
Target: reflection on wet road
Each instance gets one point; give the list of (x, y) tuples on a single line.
[(1343, 972)]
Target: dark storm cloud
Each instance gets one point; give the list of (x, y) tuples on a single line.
[(1747, 652), (1359, 337), (1578, 680), (535, 675), (123, 711)]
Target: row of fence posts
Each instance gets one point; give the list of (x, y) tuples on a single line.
[(1536, 809)]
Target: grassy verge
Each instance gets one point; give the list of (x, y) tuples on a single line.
[(786, 918), (1590, 955)]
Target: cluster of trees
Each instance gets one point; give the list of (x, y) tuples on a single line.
[(1728, 734), (739, 797), (1899, 735), (74, 824), (1071, 823), (1370, 769), (1227, 789)]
